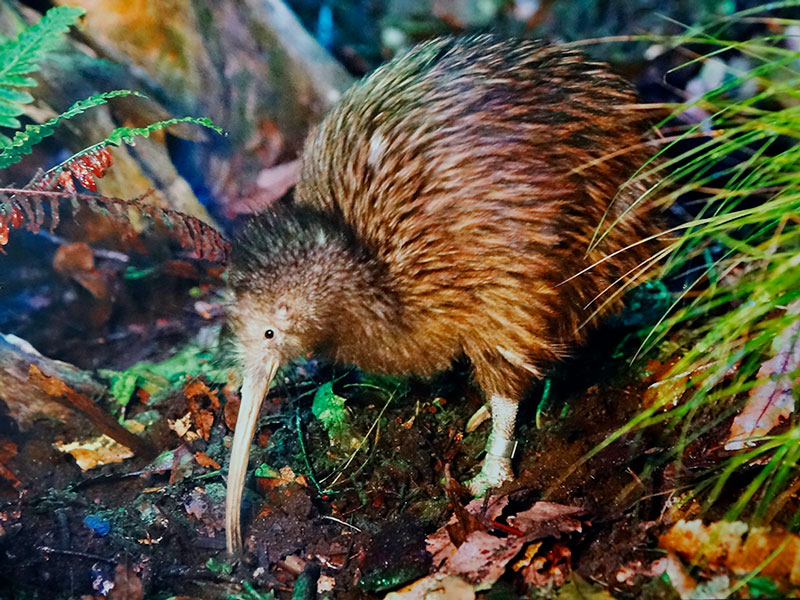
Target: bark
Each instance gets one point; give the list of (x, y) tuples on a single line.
[(33, 386)]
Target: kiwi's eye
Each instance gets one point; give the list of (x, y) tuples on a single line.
[(269, 334)]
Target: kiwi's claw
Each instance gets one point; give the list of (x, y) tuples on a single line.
[(496, 470)]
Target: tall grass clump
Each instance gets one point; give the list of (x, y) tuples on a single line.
[(732, 334)]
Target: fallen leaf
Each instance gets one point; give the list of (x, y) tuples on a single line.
[(441, 544), (204, 460), (127, 585), (439, 587), (208, 513), (182, 459), (93, 453), (482, 556), (77, 261), (734, 546), (232, 401), (527, 557), (551, 568), (183, 426), (198, 388), (204, 420), (679, 577), (325, 583), (73, 257), (771, 400), (8, 450), (197, 506)]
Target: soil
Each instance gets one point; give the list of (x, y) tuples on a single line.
[(355, 506)]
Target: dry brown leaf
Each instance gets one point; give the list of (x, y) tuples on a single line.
[(232, 401), (547, 518), (202, 401), (127, 585), (77, 261), (73, 257), (771, 400), (8, 450), (679, 577), (325, 584), (723, 545), (197, 388), (181, 466), (181, 426), (551, 568), (95, 452), (482, 557), (441, 544), (204, 460), (204, 420)]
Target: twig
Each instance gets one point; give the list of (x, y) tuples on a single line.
[(61, 392), (76, 553), (345, 523)]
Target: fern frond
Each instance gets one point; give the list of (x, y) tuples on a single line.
[(22, 56), (129, 134), (29, 209), (25, 140), (95, 160)]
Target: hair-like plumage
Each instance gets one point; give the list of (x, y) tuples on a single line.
[(449, 176), (445, 205)]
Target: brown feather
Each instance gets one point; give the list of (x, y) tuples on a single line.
[(445, 205), (452, 171)]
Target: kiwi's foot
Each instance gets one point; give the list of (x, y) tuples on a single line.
[(495, 472)]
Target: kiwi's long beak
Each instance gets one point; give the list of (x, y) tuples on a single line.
[(255, 386)]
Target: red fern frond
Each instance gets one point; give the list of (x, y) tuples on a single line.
[(84, 167), (26, 207)]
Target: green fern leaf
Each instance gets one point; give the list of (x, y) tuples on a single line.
[(25, 140), (12, 95), (8, 110), (23, 55), (18, 81), (128, 135)]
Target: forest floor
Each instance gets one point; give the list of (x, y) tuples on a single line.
[(355, 490)]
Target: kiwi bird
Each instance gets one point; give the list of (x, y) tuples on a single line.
[(445, 205)]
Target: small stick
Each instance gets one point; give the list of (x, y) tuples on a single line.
[(64, 394), (86, 555)]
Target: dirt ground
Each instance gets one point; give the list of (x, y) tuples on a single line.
[(350, 508)]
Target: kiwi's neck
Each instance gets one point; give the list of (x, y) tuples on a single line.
[(362, 308)]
